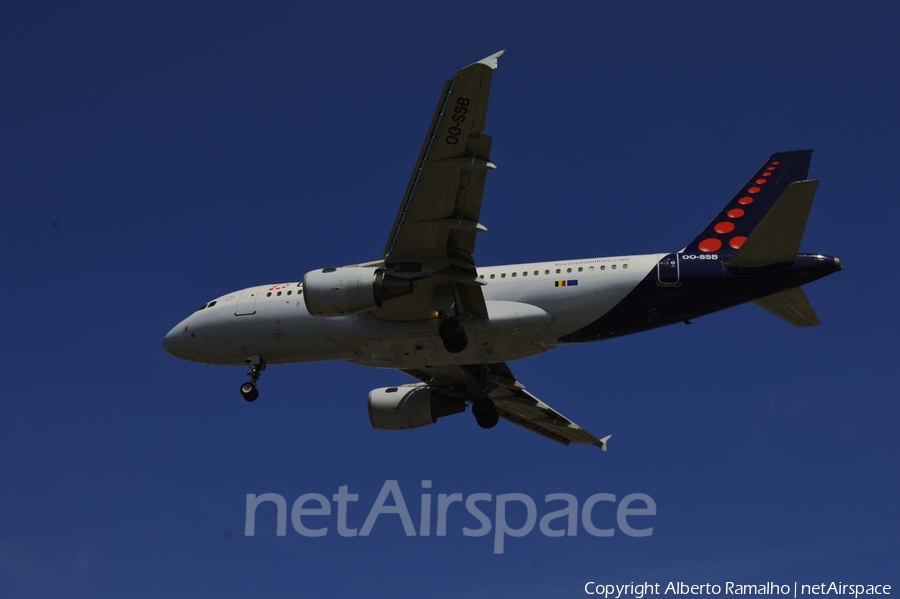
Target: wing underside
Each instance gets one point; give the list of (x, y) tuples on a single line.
[(435, 228), (438, 216), (513, 402)]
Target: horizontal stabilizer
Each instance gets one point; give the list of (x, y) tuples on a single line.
[(791, 306), (776, 239)]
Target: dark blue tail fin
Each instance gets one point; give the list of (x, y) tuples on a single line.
[(730, 229)]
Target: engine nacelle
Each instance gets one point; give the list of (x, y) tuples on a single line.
[(410, 406), (350, 290)]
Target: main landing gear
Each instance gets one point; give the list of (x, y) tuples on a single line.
[(248, 390), (453, 335), (485, 413)]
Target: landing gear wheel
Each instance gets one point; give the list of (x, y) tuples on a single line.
[(453, 335), (485, 413), (249, 391)]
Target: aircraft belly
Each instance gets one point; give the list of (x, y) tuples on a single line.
[(508, 334)]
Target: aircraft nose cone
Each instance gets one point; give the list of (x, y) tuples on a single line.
[(175, 340), (837, 263)]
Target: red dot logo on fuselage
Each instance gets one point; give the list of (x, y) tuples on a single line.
[(745, 200), (735, 213), (737, 242), (754, 190)]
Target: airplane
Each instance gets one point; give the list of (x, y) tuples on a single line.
[(424, 308)]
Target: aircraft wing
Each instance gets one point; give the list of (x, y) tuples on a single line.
[(513, 402), (435, 228)]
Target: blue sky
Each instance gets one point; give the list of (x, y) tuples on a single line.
[(157, 156)]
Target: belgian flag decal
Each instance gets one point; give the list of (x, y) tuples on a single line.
[(569, 283)]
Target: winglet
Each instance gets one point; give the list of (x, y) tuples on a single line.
[(603, 442), (491, 61)]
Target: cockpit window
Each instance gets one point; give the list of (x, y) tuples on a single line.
[(201, 307), (211, 304)]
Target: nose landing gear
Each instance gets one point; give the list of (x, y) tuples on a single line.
[(248, 390)]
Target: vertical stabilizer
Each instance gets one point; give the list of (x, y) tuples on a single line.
[(731, 228)]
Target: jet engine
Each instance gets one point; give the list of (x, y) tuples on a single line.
[(350, 290), (410, 406)]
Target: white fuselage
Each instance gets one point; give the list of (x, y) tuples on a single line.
[(528, 311)]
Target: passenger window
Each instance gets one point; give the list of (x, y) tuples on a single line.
[(503, 275), (568, 270), (558, 271), (492, 276), (514, 274), (590, 268), (269, 294), (603, 267), (278, 294), (613, 267), (289, 292), (624, 266), (547, 272), (525, 273), (536, 272), (480, 276), (580, 268)]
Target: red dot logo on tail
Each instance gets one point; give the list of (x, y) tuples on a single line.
[(710, 245)]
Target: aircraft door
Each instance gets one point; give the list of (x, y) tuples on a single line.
[(668, 270), (246, 304)]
